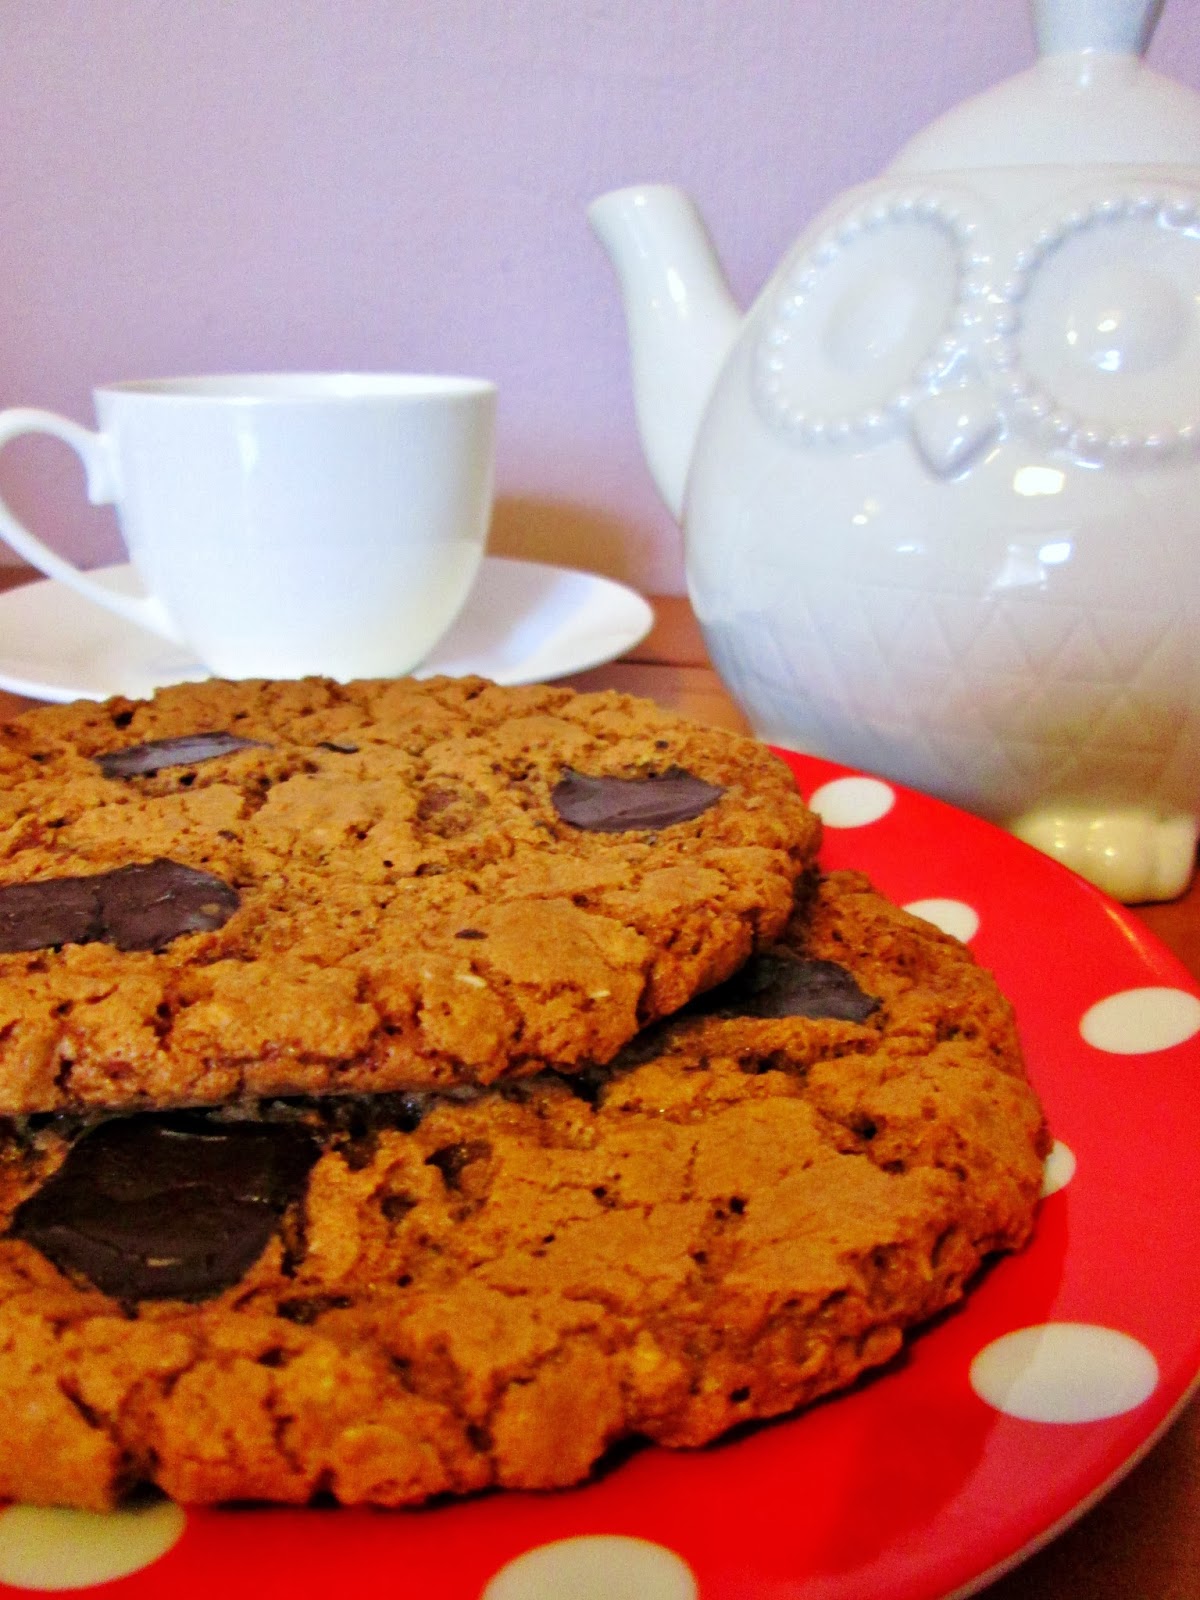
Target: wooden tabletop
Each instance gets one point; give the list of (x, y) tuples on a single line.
[(1142, 1542)]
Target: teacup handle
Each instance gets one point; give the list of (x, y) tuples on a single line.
[(102, 489)]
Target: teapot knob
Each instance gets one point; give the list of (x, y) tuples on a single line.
[(1122, 27)]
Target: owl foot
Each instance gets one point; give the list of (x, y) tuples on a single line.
[(1131, 852)]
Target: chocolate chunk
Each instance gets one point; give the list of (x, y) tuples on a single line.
[(338, 749), (618, 805), (185, 751), (779, 984), (139, 907), (156, 1207), (146, 906), (49, 912)]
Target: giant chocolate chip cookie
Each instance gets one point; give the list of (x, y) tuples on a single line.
[(383, 1298), (286, 888)]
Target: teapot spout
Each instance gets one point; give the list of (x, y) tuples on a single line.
[(681, 317)]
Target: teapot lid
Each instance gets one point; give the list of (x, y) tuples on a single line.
[(1089, 99)]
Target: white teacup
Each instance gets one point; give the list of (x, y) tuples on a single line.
[(286, 524)]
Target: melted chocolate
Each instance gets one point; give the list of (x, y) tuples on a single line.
[(157, 1207), (139, 907), (618, 805), (137, 760), (779, 984)]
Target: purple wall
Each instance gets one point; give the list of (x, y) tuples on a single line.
[(206, 185)]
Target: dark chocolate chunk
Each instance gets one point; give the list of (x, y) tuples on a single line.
[(51, 911), (137, 760), (139, 907), (146, 906), (617, 805), (158, 1207), (779, 984)]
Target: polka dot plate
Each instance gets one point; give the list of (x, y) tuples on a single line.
[(1005, 1419)]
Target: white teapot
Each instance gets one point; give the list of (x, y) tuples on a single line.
[(941, 487)]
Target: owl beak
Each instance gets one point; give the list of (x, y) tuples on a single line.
[(951, 430)]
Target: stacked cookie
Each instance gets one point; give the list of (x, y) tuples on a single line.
[(412, 1088)]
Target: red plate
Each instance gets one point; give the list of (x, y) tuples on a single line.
[(936, 1474)]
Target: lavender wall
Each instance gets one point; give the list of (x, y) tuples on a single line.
[(204, 185)]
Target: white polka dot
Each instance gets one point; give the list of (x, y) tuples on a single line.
[(1064, 1372), (853, 802), (954, 917), (1139, 1020), (1058, 1170), (46, 1548), (595, 1567)]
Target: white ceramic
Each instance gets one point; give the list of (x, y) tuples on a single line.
[(523, 622), (941, 486), (286, 524)]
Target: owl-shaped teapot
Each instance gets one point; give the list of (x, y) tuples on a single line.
[(941, 487)]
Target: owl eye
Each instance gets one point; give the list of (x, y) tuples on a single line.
[(872, 319), (1108, 334), (1125, 321), (860, 316)]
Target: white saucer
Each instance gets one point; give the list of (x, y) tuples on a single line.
[(523, 623)]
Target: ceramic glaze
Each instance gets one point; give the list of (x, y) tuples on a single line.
[(940, 487), (285, 524)]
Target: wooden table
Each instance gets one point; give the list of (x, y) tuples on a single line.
[(1142, 1542)]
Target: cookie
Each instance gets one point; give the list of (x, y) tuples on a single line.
[(245, 889), (380, 1299)]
